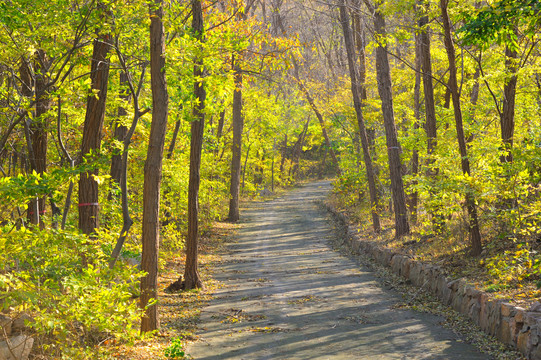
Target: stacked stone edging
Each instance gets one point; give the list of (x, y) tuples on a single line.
[(512, 325)]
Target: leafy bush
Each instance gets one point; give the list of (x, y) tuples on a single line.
[(74, 306), (175, 350)]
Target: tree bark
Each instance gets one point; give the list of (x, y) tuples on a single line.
[(475, 234), (414, 197), (428, 87), (120, 132), (173, 143), (92, 132), (322, 125), (236, 146), (356, 90), (153, 169), (507, 119), (393, 147), (430, 110), (35, 133), (127, 221), (192, 279)]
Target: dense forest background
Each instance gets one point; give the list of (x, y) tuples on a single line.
[(128, 127)]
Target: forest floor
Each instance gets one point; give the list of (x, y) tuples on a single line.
[(284, 292)]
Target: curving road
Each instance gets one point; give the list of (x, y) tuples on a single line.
[(287, 295)]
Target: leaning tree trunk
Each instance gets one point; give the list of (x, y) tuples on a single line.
[(192, 279), (356, 87), (92, 133), (127, 221), (475, 234), (153, 169), (319, 117), (236, 147), (393, 147)]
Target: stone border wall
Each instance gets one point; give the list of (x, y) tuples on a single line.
[(510, 324)]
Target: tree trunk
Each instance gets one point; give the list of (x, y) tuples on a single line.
[(153, 169), (475, 234), (323, 127), (120, 131), (356, 90), (318, 115), (244, 168), (92, 132), (219, 131), (430, 110), (507, 119), (192, 279), (127, 221), (33, 132), (236, 147), (283, 156), (173, 143), (38, 127), (414, 197), (297, 150), (393, 147)]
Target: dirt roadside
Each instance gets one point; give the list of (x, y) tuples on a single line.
[(286, 294)]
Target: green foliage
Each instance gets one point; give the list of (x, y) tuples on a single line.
[(176, 349), (74, 306), (497, 22), (511, 267)]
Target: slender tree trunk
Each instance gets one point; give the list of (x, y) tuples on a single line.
[(67, 203), (153, 169), (507, 119), (414, 197), (120, 131), (192, 279), (236, 146), (39, 126), (393, 147), (173, 143), (127, 221), (318, 116), (244, 168), (428, 87), (272, 165), (323, 128), (219, 130), (356, 87), (298, 148), (284, 155), (430, 110), (474, 97), (28, 86), (475, 234), (92, 132)]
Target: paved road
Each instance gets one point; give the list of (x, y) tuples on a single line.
[(287, 295)]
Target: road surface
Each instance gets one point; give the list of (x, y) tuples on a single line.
[(287, 294)]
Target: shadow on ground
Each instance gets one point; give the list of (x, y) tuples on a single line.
[(288, 295)]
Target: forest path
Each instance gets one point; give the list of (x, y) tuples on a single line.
[(287, 294)]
